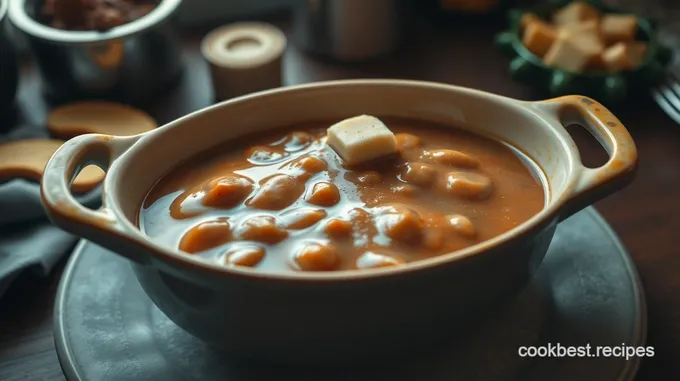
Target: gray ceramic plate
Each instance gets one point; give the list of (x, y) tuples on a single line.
[(586, 293)]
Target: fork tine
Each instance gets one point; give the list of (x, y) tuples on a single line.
[(674, 82), (660, 95), (671, 90)]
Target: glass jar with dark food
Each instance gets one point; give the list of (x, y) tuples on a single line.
[(122, 50), (94, 14)]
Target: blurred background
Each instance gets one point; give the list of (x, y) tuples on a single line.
[(195, 13)]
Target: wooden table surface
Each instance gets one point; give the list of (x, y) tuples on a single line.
[(645, 215)]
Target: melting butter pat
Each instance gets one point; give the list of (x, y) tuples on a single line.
[(360, 139)]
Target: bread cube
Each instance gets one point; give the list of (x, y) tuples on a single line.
[(618, 28), (539, 37), (624, 55), (585, 27), (528, 18), (586, 34), (567, 54), (574, 13)]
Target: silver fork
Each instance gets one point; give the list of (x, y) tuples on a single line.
[(667, 95), (667, 13)]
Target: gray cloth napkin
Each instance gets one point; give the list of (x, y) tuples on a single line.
[(28, 242)]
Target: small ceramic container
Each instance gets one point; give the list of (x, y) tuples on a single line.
[(343, 316), (331, 28), (610, 88)]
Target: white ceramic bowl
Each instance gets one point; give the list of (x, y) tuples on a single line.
[(346, 315)]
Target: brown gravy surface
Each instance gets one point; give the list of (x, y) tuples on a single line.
[(285, 202)]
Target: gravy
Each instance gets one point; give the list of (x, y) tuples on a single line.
[(286, 202)]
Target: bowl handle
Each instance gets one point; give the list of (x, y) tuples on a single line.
[(99, 226), (594, 184)]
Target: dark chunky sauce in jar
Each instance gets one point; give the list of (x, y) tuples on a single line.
[(94, 14)]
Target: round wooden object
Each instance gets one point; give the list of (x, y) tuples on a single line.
[(27, 159), (98, 117), (244, 58)]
